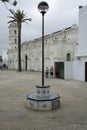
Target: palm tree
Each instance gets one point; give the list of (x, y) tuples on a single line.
[(19, 17)]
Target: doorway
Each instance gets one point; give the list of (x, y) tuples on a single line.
[(26, 58), (59, 70), (85, 71)]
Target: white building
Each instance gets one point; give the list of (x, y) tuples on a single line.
[(59, 46), (69, 44), (80, 64), (3, 61), (13, 42)]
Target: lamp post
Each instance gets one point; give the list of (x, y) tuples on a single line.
[(42, 99), (43, 8)]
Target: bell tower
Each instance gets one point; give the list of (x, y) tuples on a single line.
[(13, 36)]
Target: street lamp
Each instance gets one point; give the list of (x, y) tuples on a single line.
[(43, 8), (42, 99)]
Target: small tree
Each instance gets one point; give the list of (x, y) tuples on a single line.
[(19, 17)]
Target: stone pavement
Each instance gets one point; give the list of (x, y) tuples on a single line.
[(14, 114)]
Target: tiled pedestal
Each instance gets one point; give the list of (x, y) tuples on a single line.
[(42, 99)]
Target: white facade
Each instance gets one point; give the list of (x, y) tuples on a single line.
[(79, 70), (13, 36), (58, 46), (68, 70), (80, 64), (82, 40), (70, 42)]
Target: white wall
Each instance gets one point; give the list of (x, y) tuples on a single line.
[(68, 70), (79, 65), (57, 45), (82, 49), (79, 70)]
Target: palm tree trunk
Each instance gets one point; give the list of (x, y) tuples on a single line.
[(19, 48)]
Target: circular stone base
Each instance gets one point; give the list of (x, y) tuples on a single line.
[(50, 102)]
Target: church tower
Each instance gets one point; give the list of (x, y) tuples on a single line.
[(13, 36)]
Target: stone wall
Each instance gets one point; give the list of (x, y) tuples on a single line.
[(57, 46)]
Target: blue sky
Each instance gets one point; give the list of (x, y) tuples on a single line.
[(61, 14)]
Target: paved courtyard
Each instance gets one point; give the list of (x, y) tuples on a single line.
[(14, 114)]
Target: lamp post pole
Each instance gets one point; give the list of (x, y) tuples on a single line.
[(42, 49), (43, 8)]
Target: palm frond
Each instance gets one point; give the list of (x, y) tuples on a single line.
[(27, 19), (11, 17), (24, 22), (19, 16), (12, 11), (12, 21)]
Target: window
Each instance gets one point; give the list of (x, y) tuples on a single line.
[(26, 57), (15, 32), (15, 41), (68, 57)]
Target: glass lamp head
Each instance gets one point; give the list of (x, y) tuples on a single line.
[(43, 7)]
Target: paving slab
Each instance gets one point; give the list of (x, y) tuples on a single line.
[(14, 114)]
